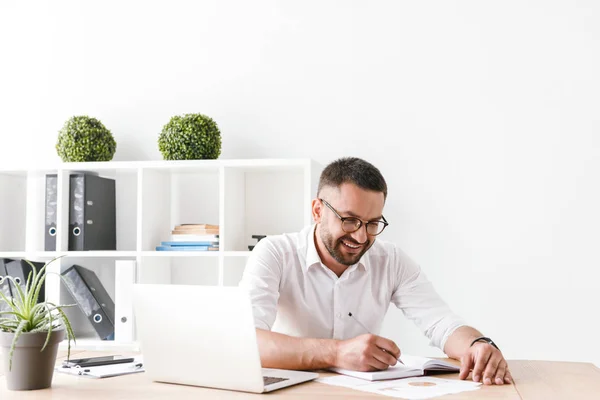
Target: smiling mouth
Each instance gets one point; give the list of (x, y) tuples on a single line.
[(351, 246)]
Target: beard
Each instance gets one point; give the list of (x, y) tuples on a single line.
[(336, 248)]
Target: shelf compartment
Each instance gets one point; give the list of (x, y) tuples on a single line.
[(126, 198), (104, 268), (179, 270), (22, 207), (260, 202), (177, 196)]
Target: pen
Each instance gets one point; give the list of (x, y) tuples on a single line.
[(365, 328)]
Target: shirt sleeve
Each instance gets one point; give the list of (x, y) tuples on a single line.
[(415, 295), (261, 279)]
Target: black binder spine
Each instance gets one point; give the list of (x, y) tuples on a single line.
[(76, 211), (92, 214), (92, 298), (50, 223)]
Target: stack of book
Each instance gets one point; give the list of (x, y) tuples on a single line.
[(192, 237)]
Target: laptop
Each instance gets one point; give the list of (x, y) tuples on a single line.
[(204, 336)]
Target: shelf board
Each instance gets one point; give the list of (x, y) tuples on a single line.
[(29, 254), (53, 254), (22, 170), (237, 253), (97, 344), (180, 253), (120, 254), (14, 254), (100, 253)]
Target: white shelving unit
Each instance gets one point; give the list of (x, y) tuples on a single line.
[(244, 197)]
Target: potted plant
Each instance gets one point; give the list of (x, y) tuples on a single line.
[(190, 137), (30, 333), (83, 138)]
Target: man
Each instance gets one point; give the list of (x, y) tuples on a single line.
[(319, 296)]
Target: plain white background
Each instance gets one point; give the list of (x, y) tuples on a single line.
[(482, 116)]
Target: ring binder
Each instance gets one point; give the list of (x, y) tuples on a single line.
[(50, 220), (20, 270), (4, 287), (92, 298), (92, 214)]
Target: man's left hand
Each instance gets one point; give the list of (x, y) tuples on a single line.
[(487, 362)]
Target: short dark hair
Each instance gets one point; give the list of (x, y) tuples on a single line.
[(353, 170)]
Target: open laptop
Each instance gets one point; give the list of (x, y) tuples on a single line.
[(204, 336)]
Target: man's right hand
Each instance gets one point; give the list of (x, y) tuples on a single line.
[(366, 353)]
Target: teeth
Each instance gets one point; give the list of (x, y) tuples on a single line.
[(351, 246)]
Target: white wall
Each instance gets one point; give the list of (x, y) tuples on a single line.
[(483, 117)]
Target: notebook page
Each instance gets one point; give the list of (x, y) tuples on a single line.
[(428, 363)]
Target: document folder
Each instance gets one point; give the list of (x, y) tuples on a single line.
[(50, 219), (92, 216), (92, 298), (4, 287), (124, 280), (20, 270)]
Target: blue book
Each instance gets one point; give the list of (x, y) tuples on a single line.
[(182, 243), (182, 248)]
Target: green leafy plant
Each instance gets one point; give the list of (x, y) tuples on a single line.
[(27, 315), (190, 137), (83, 138)]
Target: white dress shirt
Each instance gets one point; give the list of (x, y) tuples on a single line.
[(292, 292)]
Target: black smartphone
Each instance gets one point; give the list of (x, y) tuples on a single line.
[(95, 361)]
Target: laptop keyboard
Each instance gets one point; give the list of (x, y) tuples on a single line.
[(269, 380)]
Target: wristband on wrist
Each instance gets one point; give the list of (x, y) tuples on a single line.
[(484, 339)]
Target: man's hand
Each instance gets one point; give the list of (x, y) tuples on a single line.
[(486, 361), (366, 353)]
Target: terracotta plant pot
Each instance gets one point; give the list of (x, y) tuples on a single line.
[(31, 368)]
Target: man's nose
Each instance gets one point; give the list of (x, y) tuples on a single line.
[(360, 235)]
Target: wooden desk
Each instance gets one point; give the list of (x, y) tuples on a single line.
[(533, 380)]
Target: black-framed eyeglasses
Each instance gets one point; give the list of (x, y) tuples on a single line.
[(352, 224)]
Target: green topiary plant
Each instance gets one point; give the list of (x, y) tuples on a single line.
[(190, 137), (83, 138)]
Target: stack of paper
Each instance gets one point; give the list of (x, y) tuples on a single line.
[(409, 388)]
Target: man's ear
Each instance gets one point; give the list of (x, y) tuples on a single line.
[(317, 210)]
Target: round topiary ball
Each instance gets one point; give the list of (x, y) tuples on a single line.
[(190, 137), (85, 139)]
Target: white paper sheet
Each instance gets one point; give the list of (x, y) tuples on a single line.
[(408, 388)]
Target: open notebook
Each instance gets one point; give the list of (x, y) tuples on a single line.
[(413, 366)]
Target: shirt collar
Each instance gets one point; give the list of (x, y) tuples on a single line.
[(312, 256)]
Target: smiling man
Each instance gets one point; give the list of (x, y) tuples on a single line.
[(319, 296)]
